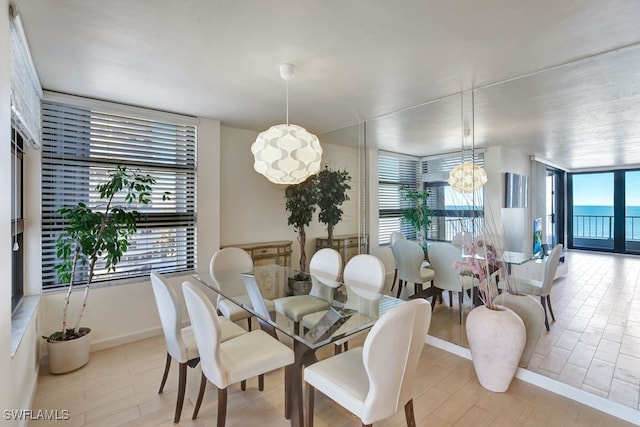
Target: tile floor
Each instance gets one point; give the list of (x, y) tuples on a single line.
[(594, 344)]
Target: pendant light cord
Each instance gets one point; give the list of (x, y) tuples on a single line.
[(287, 91)]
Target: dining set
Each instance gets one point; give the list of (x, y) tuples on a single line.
[(342, 303)]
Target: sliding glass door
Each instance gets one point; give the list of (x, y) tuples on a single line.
[(632, 211)]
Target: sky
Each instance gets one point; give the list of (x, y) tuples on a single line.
[(596, 189)]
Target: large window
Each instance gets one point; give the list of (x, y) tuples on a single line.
[(394, 171), (82, 144)]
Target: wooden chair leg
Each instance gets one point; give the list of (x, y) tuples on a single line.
[(182, 385), (544, 306), (287, 391), (260, 382), (249, 324), (346, 346), (296, 328), (450, 299), (460, 297), (166, 372), (395, 277), (337, 349), (309, 409), (417, 287), (409, 415), (203, 385), (222, 406), (243, 385), (400, 284), (550, 309)]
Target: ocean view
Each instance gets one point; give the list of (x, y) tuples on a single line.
[(597, 222)]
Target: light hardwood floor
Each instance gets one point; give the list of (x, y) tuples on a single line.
[(119, 387), (594, 344)]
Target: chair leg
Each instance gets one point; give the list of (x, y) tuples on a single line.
[(544, 306), (309, 409), (182, 385), (409, 415), (222, 406), (203, 385), (260, 382), (400, 284), (296, 328), (460, 296), (243, 385), (166, 372), (450, 299), (249, 324), (337, 349), (417, 287), (395, 276), (287, 391), (550, 309), (346, 346)]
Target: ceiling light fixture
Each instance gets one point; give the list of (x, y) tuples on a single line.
[(286, 154), (467, 177)]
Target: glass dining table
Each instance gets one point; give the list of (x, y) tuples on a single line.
[(340, 313)]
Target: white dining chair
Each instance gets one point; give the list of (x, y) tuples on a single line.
[(374, 381), (233, 260), (395, 236), (180, 341), (325, 268), (410, 258), (225, 363)]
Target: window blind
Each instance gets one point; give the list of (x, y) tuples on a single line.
[(394, 172), (81, 146), (25, 85)]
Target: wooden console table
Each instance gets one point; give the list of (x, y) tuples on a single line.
[(265, 253), (348, 245)]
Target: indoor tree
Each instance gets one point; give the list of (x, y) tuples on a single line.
[(301, 200), (418, 215), (332, 192)]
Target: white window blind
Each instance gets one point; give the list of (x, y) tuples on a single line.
[(25, 85), (394, 172), (81, 145)]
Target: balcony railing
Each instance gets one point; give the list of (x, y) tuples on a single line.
[(601, 227)]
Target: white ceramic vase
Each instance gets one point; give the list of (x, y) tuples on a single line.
[(67, 356), (532, 314), (496, 340)]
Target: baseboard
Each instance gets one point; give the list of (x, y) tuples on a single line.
[(125, 339), (618, 410)]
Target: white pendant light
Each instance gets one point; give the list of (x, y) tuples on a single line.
[(286, 154), (467, 177)]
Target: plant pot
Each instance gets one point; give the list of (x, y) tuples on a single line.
[(69, 355), (532, 314), (496, 340), (299, 287)]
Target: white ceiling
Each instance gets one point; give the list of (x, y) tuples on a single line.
[(578, 104)]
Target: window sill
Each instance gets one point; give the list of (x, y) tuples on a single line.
[(20, 320)]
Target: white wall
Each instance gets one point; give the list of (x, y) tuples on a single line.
[(252, 209)]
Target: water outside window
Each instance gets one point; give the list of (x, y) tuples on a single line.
[(632, 211), (593, 218)]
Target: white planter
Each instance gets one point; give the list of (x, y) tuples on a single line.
[(67, 356), (532, 314), (496, 340)]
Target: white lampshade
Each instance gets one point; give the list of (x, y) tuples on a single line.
[(467, 177), (286, 154)]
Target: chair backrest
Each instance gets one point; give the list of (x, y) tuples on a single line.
[(230, 260), (395, 236), (365, 275), (207, 331), (391, 373), (550, 267), (442, 255), (325, 268), (461, 238), (409, 257), (170, 313)]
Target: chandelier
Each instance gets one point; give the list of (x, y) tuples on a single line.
[(287, 153), (467, 177)]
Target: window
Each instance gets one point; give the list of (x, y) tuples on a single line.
[(394, 171), (17, 221), (453, 211), (81, 144)]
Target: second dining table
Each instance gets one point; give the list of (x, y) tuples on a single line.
[(271, 282)]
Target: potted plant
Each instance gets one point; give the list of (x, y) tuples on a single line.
[(301, 200), (94, 236), (418, 215), (332, 192)]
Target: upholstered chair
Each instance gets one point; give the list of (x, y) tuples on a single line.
[(410, 258), (395, 236), (374, 381), (180, 341), (325, 268), (225, 363)]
